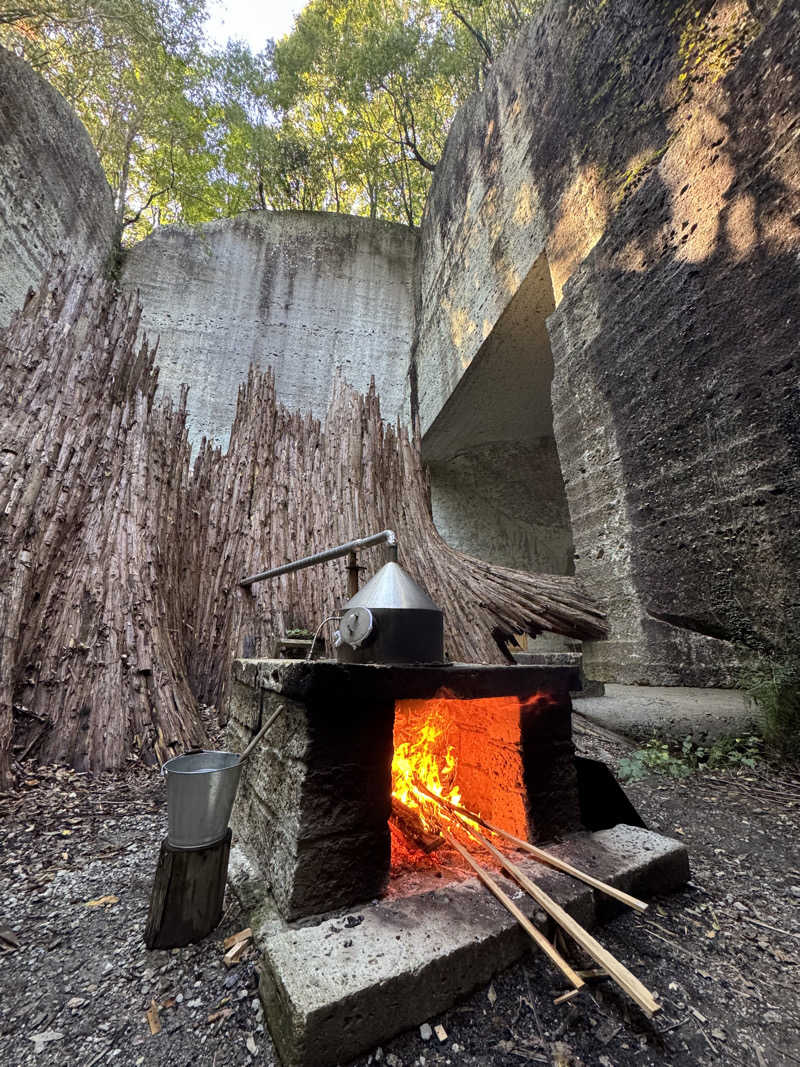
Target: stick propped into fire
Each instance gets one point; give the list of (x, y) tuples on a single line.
[(410, 823), (467, 822), (539, 853)]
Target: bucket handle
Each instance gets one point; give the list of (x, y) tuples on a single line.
[(261, 733)]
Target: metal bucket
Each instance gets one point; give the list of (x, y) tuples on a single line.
[(201, 789)]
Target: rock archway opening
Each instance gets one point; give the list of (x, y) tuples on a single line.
[(496, 480)]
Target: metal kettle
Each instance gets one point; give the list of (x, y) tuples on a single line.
[(390, 620)]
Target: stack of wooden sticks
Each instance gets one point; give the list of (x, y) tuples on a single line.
[(452, 819)]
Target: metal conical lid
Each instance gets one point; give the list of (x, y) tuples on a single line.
[(392, 588)]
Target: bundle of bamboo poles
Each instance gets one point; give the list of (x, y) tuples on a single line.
[(457, 820)]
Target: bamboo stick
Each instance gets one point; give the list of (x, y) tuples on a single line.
[(616, 970), (574, 978), (541, 855)]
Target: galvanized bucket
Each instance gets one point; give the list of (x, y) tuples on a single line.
[(201, 789)]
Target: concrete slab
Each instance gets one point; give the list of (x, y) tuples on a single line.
[(335, 988), (641, 711)]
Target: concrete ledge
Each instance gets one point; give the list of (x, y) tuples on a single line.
[(339, 987), (640, 711)]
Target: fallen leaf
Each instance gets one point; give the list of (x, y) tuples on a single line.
[(153, 1019), (252, 1048), (40, 1040), (102, 902), (491, 995)]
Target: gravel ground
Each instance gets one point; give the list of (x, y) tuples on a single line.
[(722, 955)]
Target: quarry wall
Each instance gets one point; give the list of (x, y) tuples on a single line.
[(650, 153), (597, 325), (53, 193), (307, 293)]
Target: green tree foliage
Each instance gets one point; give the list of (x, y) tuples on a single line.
[(377, 82), (347, 113), (134, 71)]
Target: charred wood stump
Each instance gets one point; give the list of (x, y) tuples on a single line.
[(188, 893)]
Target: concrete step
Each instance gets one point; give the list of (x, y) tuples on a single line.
[(641, 711)]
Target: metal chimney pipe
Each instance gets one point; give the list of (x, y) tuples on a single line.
[(388, 537)]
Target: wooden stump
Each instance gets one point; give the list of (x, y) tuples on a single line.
[(188, 892)]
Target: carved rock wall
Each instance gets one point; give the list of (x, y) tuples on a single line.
[(651, 153), (53, 193), (305, 293)]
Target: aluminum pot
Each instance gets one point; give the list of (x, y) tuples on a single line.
[(201, 789)]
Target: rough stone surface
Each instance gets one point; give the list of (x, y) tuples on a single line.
[(340, 987), (683, 324), (496, 485), (674, 711), (328, 680), (313, 801), (648, 155), (53, 194), (304, 292)]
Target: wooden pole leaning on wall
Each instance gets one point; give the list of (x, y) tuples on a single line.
[(188, 894)]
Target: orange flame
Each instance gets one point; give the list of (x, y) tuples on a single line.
[(430, 760)]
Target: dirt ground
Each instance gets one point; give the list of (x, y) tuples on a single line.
[(76, 980)]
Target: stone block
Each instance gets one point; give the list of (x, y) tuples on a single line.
[(314, 799), (334, 989)]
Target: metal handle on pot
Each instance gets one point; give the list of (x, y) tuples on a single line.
[(261, 733)]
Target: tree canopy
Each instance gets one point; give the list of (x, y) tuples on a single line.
[(348, 112)]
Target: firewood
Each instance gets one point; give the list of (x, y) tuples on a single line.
[(510, 906), (541, 855), (234, 939), (409, 823), (235, 953), (627, 981)]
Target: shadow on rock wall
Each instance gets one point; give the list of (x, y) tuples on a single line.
[(685, 320)]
